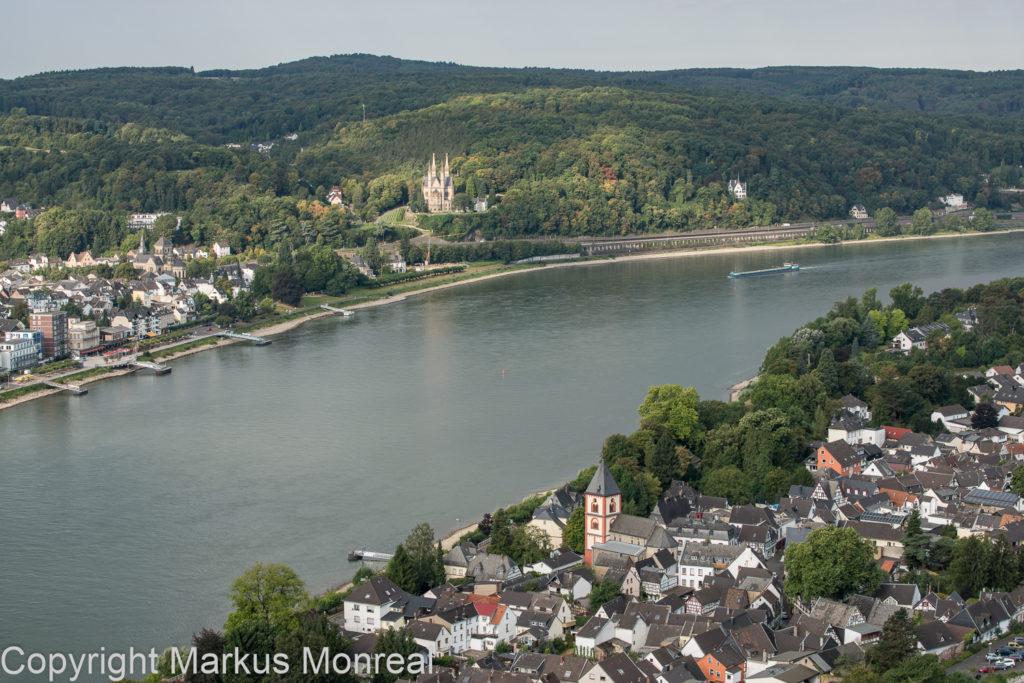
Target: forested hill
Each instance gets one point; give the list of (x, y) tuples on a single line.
[(563, 153), (311, 95), (597, 160)]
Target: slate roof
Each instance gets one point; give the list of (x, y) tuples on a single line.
[(933, 635), (843, 452), (603, 483), (380, 590), (621, 669)]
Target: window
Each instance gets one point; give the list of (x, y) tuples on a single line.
[(611, 506), (593, 506), (356, 618), (593, 525)]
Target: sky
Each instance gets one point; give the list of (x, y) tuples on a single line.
[(51, 35)]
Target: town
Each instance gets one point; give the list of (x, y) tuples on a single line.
[(897, 557)]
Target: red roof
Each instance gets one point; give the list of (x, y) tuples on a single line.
[(485, 609), (895, 433)]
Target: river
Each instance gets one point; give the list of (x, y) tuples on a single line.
[(126, 513)]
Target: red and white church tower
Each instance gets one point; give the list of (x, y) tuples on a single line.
[(603, 501)]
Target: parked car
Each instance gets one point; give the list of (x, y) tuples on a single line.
[(987, 669), (1004, 652), (992, 656), (1003, 664)]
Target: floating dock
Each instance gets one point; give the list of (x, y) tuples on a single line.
[(369, 556)]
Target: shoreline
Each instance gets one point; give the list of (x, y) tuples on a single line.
[(288, 325)]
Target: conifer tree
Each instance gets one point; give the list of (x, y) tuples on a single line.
[(915, 542), (401, 570), (898, 642), (1002, 565), (828, 372), (869, 333)]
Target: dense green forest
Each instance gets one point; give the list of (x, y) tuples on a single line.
[(314, 94), (558, 152), (605, 160)]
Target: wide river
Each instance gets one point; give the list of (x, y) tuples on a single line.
[(125, 514)]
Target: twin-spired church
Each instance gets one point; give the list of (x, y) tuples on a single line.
[(438, 188)]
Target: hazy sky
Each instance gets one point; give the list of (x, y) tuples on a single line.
[(47, 35)]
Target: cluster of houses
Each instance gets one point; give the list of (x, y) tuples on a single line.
[(160, 300), (917, 337), (701, 580), (12, 205), (951, 202)]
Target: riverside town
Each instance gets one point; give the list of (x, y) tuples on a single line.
[(511, 281)]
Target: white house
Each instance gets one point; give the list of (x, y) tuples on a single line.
[(855, 431), (221, 249), (434, 638), (368, 602), (946, 415), (953, 200), (916, 337), (593, 633)]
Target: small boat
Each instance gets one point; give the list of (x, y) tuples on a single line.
[(785, 267)]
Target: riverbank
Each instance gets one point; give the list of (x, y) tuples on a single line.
[(398, 296)]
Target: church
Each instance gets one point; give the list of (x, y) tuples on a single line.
[(438, 188), (612, 537)]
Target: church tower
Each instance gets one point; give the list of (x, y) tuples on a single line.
[(603, 501)]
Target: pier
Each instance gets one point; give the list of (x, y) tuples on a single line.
[(157, 368), (72, 388), (244, 336), (369, 556), (127, 360), (343, 311)]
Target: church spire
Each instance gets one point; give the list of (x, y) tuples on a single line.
[(142, 241), (446, 173), (433, 165)]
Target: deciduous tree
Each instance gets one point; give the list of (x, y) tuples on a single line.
[(833, 562), (573, 535), (886, 222), (674, 407), (267, 593)]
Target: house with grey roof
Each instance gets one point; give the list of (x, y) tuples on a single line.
[(369, 602)]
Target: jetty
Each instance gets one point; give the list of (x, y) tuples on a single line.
[(244, 336), (369, 556), (127, 360), (343, 311), (157, 368), (72, 388)]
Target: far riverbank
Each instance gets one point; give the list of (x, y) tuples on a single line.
[(397, 296)]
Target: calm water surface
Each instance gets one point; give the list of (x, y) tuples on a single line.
[(126, 513)]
